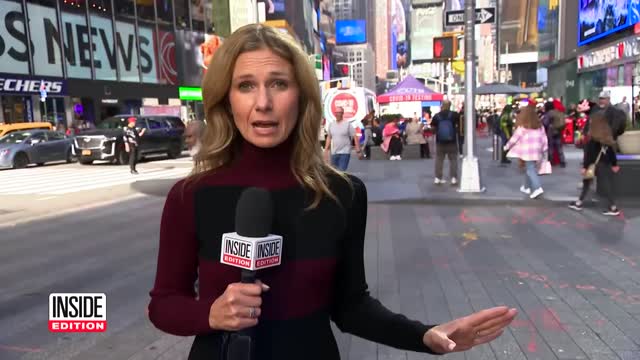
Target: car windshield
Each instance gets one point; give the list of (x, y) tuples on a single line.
[(116, 122), (14, 138)]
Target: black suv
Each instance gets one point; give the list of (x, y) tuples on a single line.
[(164, 134)]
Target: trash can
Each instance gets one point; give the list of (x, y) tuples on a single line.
[(497, 147)]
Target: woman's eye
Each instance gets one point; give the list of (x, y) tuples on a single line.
[(280, 84), (245, 86)]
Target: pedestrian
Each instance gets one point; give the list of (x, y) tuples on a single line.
[(554, 123), (415, 136), (616, 118), (338, 144), (193, 136), (368, 136), (132, 143), (529, 145), (446, 124), (392, 140), (504, 130), (599, 162), (264, 109)]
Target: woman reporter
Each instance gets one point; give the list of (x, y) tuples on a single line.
[(263, 115)]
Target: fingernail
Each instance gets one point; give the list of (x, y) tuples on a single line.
[(265, 287)]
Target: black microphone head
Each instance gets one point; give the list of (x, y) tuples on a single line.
[(254, 213)]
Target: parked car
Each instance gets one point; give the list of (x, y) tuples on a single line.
[(21, 148), (164, 135)]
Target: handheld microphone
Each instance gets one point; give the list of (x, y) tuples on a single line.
[(250, 248)]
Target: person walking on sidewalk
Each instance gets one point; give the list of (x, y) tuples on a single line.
[(600, 162), (505, 128), (554, 123), (131, 143), (447, 126), (415, 136), (339, 137), (529, 144), (392, 143)]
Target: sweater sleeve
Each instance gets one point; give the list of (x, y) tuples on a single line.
[(174, 307), (354, 310)]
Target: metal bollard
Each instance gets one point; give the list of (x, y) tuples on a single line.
[(497, 147)]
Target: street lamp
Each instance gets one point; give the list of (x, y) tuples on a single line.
[(351, 65)]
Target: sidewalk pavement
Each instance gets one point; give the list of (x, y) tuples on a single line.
[(411, 181)]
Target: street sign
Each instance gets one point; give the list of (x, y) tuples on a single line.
[(483, 16)]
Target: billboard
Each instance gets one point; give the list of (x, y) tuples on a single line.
[(273, 9), (426, 23), (597, 19), (351, 32)]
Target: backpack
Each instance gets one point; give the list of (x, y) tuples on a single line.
[(557, 120), (617, 120), (446, 131)]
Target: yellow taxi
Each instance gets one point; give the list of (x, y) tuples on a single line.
[(9, 128)]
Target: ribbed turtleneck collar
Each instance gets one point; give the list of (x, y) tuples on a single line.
[(265, 167)]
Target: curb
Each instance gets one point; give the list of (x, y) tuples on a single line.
[(515, 202), (46, 216)]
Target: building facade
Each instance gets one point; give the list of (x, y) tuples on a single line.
[(363, 73), (96, 58)]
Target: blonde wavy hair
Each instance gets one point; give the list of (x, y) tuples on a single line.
[(221, 137)]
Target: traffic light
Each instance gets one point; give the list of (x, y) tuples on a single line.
[(345, 70), (444, 47)]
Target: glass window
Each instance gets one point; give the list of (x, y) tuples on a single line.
[(165, 11), (210, 27), (145, 11), (45, 35), (104, 50), (155, 124), (124, 9), (14, 55), (38, 138), (127, 50), (55, 136), (166, 59), (182, 14), (197, 15), (76, 39), (148, 56)]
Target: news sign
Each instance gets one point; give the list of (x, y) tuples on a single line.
[(77, 312), (351, 32), (251, 253), (597, 19)]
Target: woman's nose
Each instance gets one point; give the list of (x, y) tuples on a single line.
[(263, 99)]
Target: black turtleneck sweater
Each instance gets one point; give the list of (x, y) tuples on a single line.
[(321, 278)]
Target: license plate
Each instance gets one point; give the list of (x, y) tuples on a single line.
[(86, 152)]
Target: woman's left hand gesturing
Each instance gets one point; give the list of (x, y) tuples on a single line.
[(464, 333)]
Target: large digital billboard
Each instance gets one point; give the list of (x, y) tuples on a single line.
[(351, 31), (597, 19)]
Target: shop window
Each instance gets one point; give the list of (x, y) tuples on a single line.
[(145, 10), (77, 46), (46, 37), (164, 10), (104, 59), (15, 57), (183, 19)]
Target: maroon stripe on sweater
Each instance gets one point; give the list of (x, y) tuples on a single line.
[(298, 288)]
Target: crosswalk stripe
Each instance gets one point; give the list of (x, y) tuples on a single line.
[(65, 181)]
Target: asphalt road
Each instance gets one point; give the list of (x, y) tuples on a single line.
[(575, 277)]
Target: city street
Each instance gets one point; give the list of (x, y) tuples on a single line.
[(575, 277)]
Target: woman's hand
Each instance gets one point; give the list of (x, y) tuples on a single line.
[(126, 147), (238, 308), (466, 332)]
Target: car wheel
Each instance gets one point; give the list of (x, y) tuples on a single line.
[(85, 162), (122, 158), (20, 161), (175, 149), (70, 158)]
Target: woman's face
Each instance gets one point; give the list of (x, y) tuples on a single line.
[(264, 98)]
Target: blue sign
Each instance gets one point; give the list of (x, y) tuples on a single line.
[(597, 19), (351, 31)]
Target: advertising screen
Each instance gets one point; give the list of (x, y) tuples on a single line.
[(351, 32), (597, 19)]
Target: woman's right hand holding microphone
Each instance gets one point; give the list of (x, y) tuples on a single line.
[(238, 307)]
